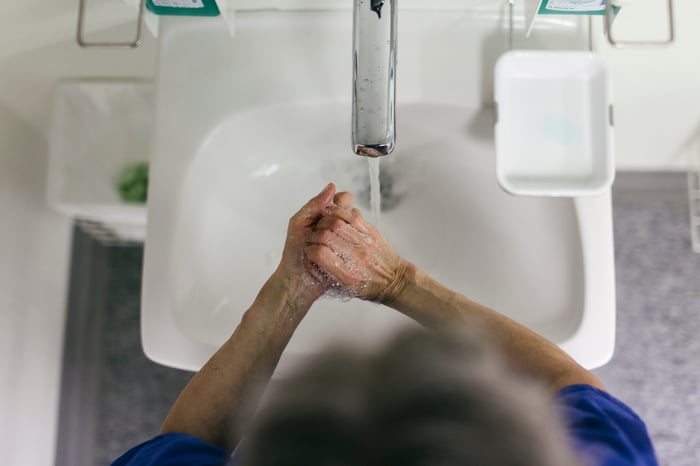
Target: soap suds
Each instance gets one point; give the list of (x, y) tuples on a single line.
[(315, 276)]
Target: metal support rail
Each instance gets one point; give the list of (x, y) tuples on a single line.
[(132, 45), (610, 16)]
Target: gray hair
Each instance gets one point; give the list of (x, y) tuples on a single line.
[(427, 399)]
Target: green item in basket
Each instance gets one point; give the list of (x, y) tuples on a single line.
[(133, 183)]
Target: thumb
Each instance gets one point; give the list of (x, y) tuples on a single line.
[(312, 209)]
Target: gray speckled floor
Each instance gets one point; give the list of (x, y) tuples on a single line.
[(656, 368), (135, 393)]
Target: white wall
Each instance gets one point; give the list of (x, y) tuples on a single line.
[(37, 47), (27, 74), (33, 24), (33, 263), (656, 91)]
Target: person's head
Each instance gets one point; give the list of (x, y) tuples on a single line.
[(427, 399)]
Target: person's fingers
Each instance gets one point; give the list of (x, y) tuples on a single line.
[(352, 235), (328, 238), (328, 223), (330, 262), (359, 222), (336, 211), (308, 214), (344, 200), (351, 216), (344, 230)]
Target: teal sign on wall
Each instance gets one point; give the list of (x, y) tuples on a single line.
[(183, 7), (574, 7)]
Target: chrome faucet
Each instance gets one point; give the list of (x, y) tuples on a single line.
[(374, 77)]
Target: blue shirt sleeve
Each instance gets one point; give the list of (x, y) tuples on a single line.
[(173, 450), (604, 430)]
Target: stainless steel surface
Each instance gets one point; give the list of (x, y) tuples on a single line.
[(511, 4), (374, 75)]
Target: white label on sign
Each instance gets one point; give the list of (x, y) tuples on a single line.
[(576, 5), (179, 3)]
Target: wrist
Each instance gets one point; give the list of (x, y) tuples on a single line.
[(404, 278), (292, 291), (275, 314)]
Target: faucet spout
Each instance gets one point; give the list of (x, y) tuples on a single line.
[(374, 77)]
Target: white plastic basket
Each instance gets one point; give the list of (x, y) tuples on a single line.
[(98, 128), (554, 129)]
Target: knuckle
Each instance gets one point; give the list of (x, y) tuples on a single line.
[(325, 236), (313, 253), (362, 258), (337, 224), (334, 212)]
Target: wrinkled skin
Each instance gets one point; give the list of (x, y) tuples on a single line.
[(299, 231), (345, 247)]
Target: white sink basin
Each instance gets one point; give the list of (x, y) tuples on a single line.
[(227, 178)]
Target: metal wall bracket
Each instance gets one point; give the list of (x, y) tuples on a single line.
[(511, 32), (132, 45), (610, 16)]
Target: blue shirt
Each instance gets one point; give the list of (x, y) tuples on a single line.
[(603, 430)]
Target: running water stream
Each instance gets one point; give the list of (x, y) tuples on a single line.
[(375, 196)]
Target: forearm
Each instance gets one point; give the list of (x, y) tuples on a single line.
[(219, 402), (422, 298)]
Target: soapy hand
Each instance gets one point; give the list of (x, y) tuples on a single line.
[(345, 250), (299, 231)]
